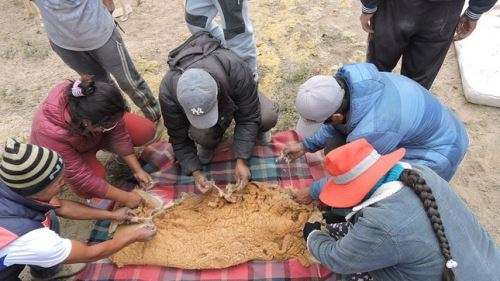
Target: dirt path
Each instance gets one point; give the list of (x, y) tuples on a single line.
[(295, 39)]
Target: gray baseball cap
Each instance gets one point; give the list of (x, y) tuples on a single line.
[(197, 94), (318, 98)]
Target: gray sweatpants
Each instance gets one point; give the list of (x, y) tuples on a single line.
[(236, 33), (113, 58)]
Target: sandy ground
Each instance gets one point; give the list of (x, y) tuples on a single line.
[(295, 40)]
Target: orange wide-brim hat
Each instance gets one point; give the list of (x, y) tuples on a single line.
[(354, 170)]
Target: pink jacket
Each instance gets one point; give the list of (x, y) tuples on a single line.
[(51, 129)]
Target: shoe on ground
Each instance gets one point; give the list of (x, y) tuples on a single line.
[(264, 138), (67, 270), (205, 154)]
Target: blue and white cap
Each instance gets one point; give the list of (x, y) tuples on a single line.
[(197, 94)]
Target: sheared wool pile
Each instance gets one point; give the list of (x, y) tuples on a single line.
[(259, 222)]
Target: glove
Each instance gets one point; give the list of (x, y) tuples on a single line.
[(310, 227), (330, 217)]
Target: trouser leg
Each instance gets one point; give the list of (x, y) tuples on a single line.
[(208, 138), (386, 44), (427, 50), (269, 112), (82, 62), (140, 129), (238, 30), (12, 272), (114, 58), (200, 14)]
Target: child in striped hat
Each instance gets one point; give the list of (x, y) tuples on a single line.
[(31, 177)]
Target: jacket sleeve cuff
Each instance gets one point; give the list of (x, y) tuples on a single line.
[(189, 168), (366, 10), (310, 237), (471, 15), (306, 146)]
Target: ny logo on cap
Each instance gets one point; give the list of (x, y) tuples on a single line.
[(197, 111)]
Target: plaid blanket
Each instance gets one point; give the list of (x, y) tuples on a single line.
[(170, 183)]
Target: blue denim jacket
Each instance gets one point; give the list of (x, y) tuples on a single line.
[(393, 239)]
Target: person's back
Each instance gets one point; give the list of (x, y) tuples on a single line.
[(393, 111), (416, 249)]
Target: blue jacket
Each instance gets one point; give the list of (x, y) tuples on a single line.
[(393, 239), (19, 216), (392, 111)]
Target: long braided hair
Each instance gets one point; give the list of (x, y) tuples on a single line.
[(413, 180)]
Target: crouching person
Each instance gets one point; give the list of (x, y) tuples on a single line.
[(207, 87), (31, 177), (407, 223)]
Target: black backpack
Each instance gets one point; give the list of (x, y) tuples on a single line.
[(197, 47)]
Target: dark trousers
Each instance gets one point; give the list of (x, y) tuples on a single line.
[(419, 31), (211, 137), (12, 272), (113, 58)]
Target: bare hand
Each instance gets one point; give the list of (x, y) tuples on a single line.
[(200, 182), (145, 180), (464, 28), (294, 151), (123, 214), (302, 196), (133, 201), (110, 5), (241, 172), (145, 233), (366, 22)]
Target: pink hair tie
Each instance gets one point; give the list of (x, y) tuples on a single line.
[(76, 91)]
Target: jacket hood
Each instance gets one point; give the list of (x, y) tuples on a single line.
[(365, 87)]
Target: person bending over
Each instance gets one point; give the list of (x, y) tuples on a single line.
[(406, 223), (31, 177), (81, 117)]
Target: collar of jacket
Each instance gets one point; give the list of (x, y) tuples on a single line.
[(384, 191), (10, 195)]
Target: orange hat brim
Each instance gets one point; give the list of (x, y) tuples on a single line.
[(352, 193)]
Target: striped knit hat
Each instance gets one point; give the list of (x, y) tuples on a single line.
[(28, 169)]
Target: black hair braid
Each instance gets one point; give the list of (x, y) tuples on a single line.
[(413, 180)]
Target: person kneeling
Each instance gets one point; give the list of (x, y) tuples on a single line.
[(407, 223), (31, 177)]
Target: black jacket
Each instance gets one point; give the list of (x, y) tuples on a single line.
[(237, 97)]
